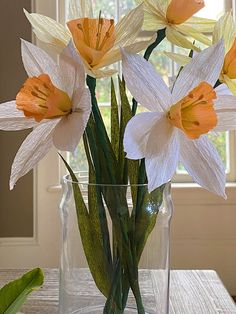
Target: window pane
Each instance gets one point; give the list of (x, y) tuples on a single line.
[(212, 9), (125, 6), (108, 8)]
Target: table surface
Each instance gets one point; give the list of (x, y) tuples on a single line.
[(191, 292)]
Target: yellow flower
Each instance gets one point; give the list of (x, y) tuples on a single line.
[(225, 28), (98, 40), (177, 17)]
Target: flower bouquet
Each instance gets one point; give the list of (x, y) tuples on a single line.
[(125, 207)]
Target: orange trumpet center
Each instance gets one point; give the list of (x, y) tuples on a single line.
[(180, 11), (195, 114), (93, 38), (229, 67), (40, 99)]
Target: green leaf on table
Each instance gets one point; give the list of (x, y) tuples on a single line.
[(14, 294)]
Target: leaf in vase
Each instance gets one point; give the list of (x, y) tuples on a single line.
[(114, 121), (94, 251), (126, 115)]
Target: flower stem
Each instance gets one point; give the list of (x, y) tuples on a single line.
[(161, 34)]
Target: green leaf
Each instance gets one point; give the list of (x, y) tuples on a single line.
[(115, 129), (91, 238), (14, 294), (126, 115), (97, 212), (103, 141)]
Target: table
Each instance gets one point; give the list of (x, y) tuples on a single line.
[(191, 292)]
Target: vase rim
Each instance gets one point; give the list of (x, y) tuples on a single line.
[(83, 181), (67, 179)]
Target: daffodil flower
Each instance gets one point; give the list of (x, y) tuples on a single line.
[(176, 16), (175, 128), (225, 28), (53, 100), (97, 39)]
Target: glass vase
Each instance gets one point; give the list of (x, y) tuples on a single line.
[(115, 249)]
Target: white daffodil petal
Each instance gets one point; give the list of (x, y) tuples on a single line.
[(81, 99), (54, 50), (225, 107), (159, 6), (153, 21), (223, 89), (225, 28), (69, 131), (101, 73), (162, 166), (115, 54), (178, 58), (55, 33), (190, 31), (146, 86), (200, 24), (79, 9), (160, 135), (34, 148), (178, 39), (205, 66), (36, 61), (82, 103), (73, 71), (12, 119), (137, 132), (203, 163), (155, 15), (128, 28)]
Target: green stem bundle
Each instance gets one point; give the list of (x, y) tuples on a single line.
[(109, 168)]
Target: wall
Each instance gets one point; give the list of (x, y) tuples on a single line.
[(16, 207)]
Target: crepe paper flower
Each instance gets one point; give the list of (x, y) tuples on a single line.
[(96, 39), (176, 16), (56, 35), (225, 28), (53, 100), (175, 128)]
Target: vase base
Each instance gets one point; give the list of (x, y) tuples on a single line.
[(99, 310)]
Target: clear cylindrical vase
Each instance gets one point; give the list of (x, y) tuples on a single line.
[(115, 249)]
